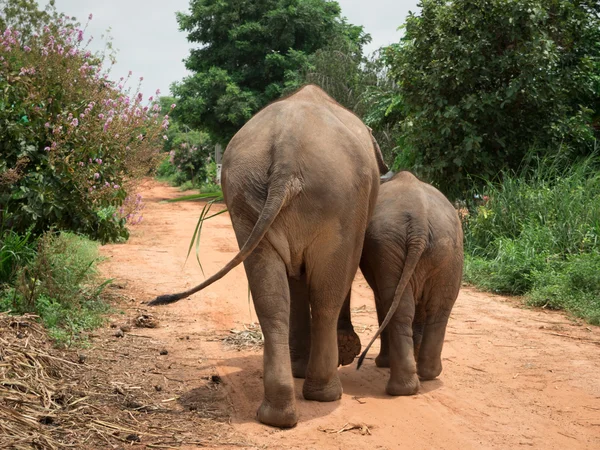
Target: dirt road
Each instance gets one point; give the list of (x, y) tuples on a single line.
[(512, 377)]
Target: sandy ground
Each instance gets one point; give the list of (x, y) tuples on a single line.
[(512, 377)]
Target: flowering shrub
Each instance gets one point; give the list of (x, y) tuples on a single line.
[(189, 154), (72, 142)]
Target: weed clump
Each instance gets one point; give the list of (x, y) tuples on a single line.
[(60, 283), (538, 235)]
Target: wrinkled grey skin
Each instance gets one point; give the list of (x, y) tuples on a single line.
[(300, 181), (413, 260)]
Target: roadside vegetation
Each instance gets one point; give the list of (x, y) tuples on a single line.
[(538, 234), (56, 278), (73, 146)]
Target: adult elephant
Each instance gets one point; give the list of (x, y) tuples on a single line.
[(413, 260), (300, 181)]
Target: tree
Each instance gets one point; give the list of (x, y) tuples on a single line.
[(251, 53), (24, 15), (483, 82), (72, 143), (361, 84)]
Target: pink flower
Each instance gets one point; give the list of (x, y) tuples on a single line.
[(99, 161), (173, 106), (165, 137), (80, 35), (75, 122), (96, 175), (100, 116), (90, 16), (27, 48), (130, 72), (158, 92), (47, 124), (140, 137), (47, 149), (141, 78), (150, 98), (116, 186)]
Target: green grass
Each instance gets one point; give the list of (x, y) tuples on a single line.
[(538, 236), (61, 284), (16, 250)]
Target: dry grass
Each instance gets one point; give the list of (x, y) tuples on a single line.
[(55, 400), (38, 400), (250, 338)]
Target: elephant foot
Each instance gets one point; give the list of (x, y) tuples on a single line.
[(299, 368), (429, 369), (348, 346), (406, 386), (320, 392), (382, 360), (281, 418)]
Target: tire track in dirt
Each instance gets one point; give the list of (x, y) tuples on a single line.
[(512, 377)]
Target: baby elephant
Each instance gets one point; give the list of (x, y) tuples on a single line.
[(413, 260)]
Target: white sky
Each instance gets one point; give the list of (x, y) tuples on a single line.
[(149, 42)]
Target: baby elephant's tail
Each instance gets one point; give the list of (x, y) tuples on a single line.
[(412, 259)]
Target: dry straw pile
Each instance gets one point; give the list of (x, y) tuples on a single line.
[(39, 395)]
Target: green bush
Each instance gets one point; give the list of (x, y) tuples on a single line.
[(483, 80), (72, 143), (537, 233), (60, 284), (248, 54)]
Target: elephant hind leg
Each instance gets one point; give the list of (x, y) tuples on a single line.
[(330, 269), (403, 368), (383, 359), (438, 304), (299, 326), (418, 329), (429, 362), (268, 281)]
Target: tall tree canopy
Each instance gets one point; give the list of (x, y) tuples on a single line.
[(484, 81), (251, 52), (25, 16)]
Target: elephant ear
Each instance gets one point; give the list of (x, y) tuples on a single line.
[(383, 168)]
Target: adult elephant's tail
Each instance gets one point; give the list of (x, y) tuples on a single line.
[(278, 195), (412, 259)]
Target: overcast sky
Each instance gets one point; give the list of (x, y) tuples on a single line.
[(149, 42)]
